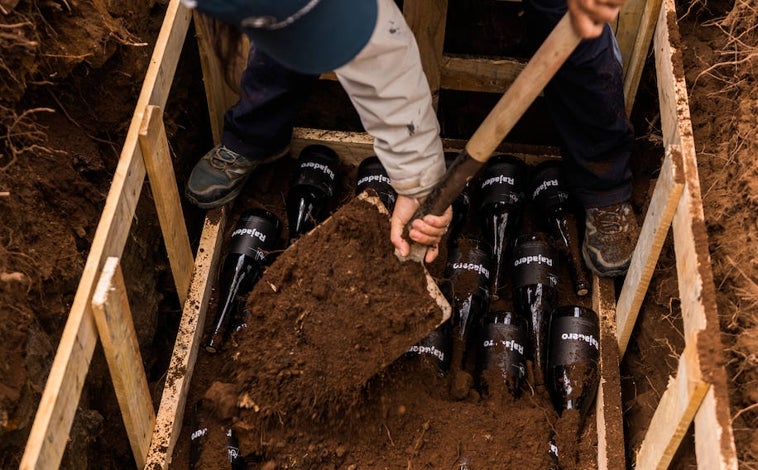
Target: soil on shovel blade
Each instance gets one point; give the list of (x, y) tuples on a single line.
[(334, 308)]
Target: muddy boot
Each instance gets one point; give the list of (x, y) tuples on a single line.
[(610, 236), (220, 176)]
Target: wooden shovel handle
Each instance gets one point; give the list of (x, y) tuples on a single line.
[(500, 121)]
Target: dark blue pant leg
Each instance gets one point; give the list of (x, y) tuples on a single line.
[(586, 103), (261, 122)]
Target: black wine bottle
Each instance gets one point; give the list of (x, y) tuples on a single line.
[(233, 454), (254, 237), (373, 176), (552, 200), (501, 195), (467, 289), (573, 355), (535, 290), (436, 349), (198, 435), (310, 194), (503, 344), (460, 206)]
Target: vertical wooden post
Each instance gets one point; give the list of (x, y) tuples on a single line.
[(171, 411), (160, 171), (217, 92), (427, 19), (634, 61), (714, 440), (608, 411), (114, 323)]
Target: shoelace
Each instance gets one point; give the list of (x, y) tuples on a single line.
[(222, 158), (610, 220)]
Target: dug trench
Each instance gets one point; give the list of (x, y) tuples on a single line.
[(72, 109), (326, 310)]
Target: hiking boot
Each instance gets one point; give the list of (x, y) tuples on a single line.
[(220, 176), (610, 236)]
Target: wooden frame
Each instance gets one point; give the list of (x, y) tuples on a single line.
[(697, 392), (52, 423)]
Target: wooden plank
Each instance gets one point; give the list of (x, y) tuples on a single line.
[(219, 95), (171, 411), (714, 440), (608, 411), (427, 19), (353, 147), (52, 423), (479, 74), (675, 411), (627, 26), (160, 172), (635, 62), (113, 317), (660, 212)]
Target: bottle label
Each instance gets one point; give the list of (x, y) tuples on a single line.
[(503, 348), (367, 180), (572, 340), (436, 346), (534, 262), (198, 433), (477, 268), (316, 171), (252, 237)]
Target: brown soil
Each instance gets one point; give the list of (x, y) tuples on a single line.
[(69, 76)]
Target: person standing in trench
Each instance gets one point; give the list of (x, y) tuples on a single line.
[(373, 52)]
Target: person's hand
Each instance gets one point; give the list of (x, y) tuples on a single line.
[(427, 231), (589, 16)]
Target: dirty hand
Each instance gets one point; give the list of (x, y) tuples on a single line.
[(589, 16), (427, 231)]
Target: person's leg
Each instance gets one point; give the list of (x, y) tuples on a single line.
[(257, 129), (586, 102)]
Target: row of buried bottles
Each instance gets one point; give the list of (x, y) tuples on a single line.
[(474, 274), (561, 341)]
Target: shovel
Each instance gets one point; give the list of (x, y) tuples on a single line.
[(536, 74)]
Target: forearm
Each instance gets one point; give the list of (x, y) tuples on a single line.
[(389, 90)]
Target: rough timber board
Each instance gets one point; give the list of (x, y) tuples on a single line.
[(218, 94), (160, 172), (663, 204), (353, 147), (113, 316), (634, 59), (714, 441), (674, 413), (610, 420), (478, 74), (52, 423), (427, 20), (171, 411)]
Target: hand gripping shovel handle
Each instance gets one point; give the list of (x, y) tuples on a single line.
[(536, 74)]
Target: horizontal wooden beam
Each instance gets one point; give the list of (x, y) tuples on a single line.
[(479, 74), (353, 147)]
